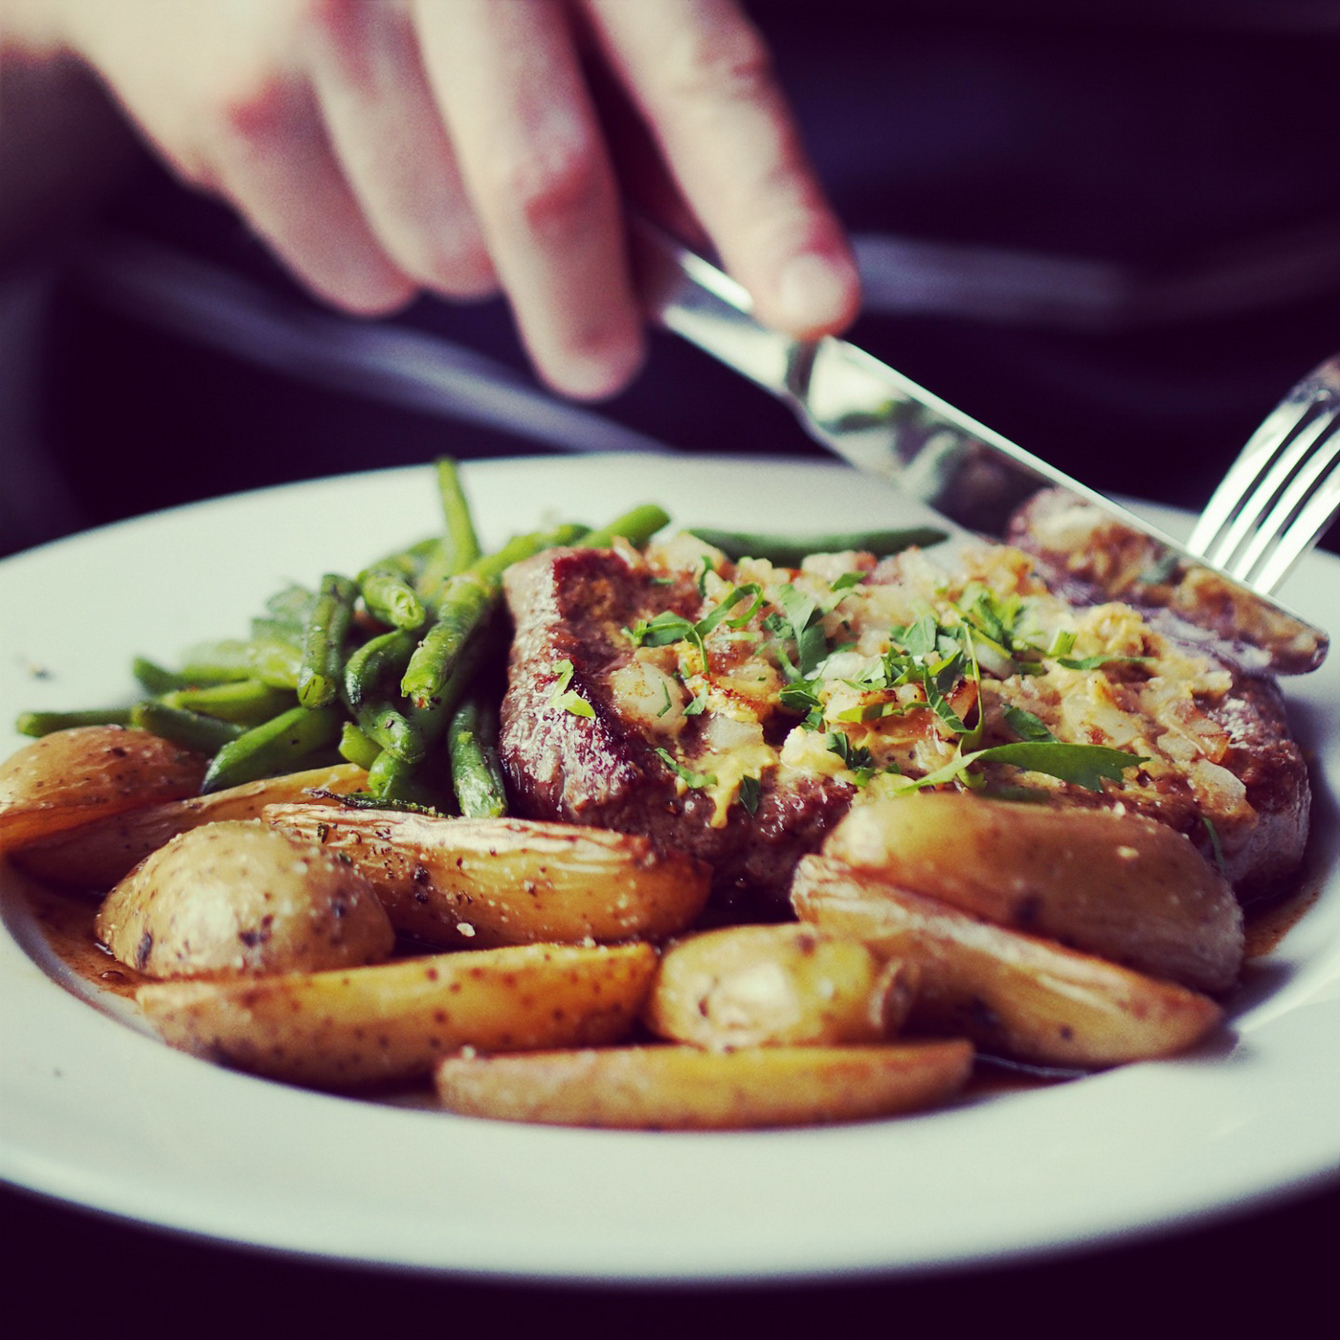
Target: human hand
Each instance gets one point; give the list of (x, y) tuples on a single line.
[(388, 147)]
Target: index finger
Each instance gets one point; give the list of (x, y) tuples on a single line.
[(509, 82), (702, 78)]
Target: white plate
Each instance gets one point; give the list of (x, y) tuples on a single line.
[(97, 1113)]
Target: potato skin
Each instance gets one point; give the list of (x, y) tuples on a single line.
[(72, 777), (1014, 995), (235, 899), (390, 1023), (782, 985), (99, 853), (482, 883), (1110, 883), (687, 1088)]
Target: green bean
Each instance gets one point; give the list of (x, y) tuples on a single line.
[(458, 548), (476, 775), (409, 561), (461, 540), (267, 659), (43, 723), (246, 701), (191, 730), (278, 630), (788, 551), (377, 660), (356, 747), (278, 746), (390, 778), (481, 650), (153, 678), (382, 721), (323, 641), (466, 600), (407, 738), (389, 597), (286, 615), (434, 572), (492, 566), (637, 527), (293, 604), (465, 603)]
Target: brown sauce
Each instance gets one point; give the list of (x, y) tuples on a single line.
[(66, 921), (1268, 924)]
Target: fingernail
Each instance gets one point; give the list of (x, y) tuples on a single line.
[(815, 292), (598, 376)]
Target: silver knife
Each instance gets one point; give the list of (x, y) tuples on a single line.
[(882, 422)]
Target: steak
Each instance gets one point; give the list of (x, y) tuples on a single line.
[(570, 608), (1090, 557), (734, 712)]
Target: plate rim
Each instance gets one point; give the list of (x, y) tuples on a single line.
[(1302, 1182)]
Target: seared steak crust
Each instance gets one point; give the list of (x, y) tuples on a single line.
[(1261, 857), (573, 605)]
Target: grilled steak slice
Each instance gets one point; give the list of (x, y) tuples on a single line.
[(570, 607), (1091, 557)]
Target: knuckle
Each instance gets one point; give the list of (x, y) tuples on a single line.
[(707, 68), (348, 32), (336, 18), (550, 184), (257, 112)]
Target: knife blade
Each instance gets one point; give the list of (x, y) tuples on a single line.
[(883, 423)]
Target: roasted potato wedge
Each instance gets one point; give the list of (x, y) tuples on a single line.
[(789, 985), (73, 777), (1111, 883), (488, 882), (1013, 994), (687, 1088), (237, 899), (388, 1024), (95, 855)]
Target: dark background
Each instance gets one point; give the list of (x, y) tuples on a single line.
[(1150, 144), (70, 1274), (1164, 144)]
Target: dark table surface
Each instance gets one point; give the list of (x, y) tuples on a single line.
[(70, 1273)]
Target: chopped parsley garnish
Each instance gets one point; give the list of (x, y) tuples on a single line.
[(1216, 846), (1062, 643), (996, 617), (691, 779), (1094, 662), (805, 615), (751, 791), (1086, 765), (668, 627), (801, 697), (569, 699), (853, 757), (1025, 725), (1161, 571)]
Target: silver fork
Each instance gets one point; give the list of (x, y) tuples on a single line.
[(1279, 495)]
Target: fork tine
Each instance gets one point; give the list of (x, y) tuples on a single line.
[(1251, 463), (1272, 484), (1316, 503)]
